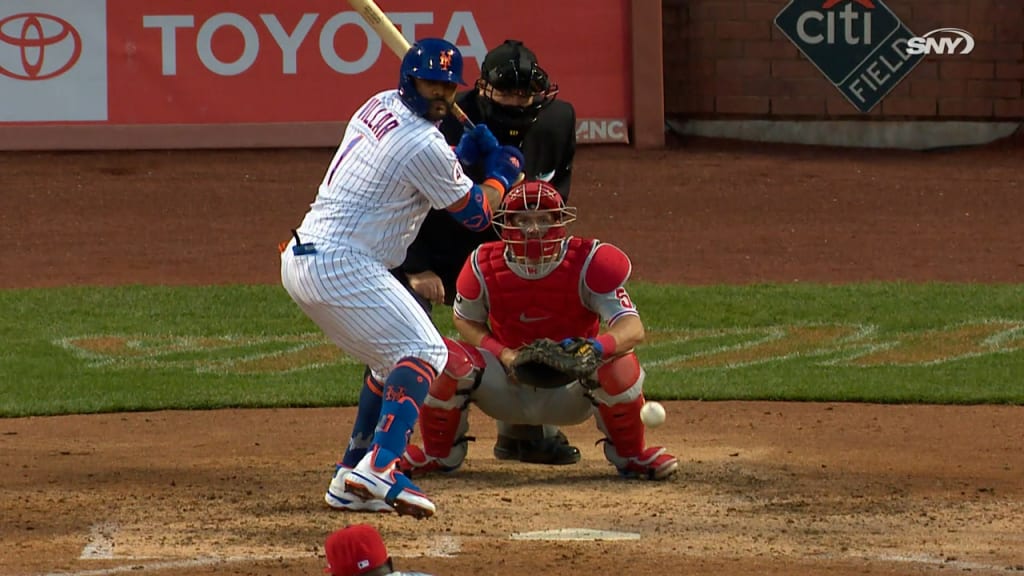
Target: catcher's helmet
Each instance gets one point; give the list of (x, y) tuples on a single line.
[(512, 68), (532, 220), (428, 59)]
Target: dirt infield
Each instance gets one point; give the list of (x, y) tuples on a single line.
[(764, 488)]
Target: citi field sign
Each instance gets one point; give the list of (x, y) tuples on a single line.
[(859, 45)]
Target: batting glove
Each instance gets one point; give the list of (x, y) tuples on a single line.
[(476, 144), (504, 165)]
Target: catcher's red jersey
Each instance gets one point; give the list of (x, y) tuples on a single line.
[(569, 302)]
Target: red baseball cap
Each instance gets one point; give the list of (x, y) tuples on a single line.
[(354, 550)]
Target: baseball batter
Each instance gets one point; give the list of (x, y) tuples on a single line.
[(538, 282), (391, 167)]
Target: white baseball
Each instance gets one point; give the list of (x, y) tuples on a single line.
[(652, 414)]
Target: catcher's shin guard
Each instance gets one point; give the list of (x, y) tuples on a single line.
[(444, 444), (442, 419), (622, 425), (439, 428), (619, 401), (618, 405), (624, 446)]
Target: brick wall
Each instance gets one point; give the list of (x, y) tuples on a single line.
[(726, 58)]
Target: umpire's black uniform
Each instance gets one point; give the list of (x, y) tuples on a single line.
[(443, 244)]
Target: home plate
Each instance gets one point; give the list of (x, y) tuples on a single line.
[(585, 534)]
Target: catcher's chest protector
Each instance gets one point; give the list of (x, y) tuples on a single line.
[(523, 310)]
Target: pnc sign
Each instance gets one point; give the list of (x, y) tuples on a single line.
[(859, 45)]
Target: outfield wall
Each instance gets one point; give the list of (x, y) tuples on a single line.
[(117, 74), (726, 59)]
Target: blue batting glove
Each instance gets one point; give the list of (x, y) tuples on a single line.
[(467, 151), (504, 165), (485, 140), (476, 144)]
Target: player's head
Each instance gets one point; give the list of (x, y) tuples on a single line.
[(431, 70), (354, 550), (513, 90), (532, 220)]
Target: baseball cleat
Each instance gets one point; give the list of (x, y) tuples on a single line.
[(652, 464), (370, 482), (553, 451), (337, 498)]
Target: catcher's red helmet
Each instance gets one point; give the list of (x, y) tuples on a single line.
[(532, 220)]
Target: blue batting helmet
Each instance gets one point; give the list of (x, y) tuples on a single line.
[(428, 59)]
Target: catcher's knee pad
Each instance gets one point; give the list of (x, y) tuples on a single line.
[(622, 376), (459, 374)]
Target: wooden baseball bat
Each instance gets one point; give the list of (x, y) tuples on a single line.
[(387, 31)]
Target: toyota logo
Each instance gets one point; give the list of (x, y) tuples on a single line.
[(49, 46)]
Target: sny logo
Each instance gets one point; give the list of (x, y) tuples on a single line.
[(925, 44), (859, 45)]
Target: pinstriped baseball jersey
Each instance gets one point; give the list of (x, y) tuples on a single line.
[(392, 166)]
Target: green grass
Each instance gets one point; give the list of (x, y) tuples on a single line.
[(82, 350)]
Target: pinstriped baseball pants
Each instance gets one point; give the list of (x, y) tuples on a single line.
[(362, 308)]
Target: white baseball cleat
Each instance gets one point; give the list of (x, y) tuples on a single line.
[(337, 498), (390, 485)]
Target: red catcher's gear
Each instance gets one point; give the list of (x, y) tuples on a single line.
[(532, 220), (523, 310)]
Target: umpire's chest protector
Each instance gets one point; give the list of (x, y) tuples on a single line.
[(523, 310)]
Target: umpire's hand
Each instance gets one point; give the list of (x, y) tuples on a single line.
[(428, 285)]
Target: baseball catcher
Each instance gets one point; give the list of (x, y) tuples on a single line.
[(529, 310)]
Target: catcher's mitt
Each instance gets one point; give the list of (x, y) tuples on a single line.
[(545, 363)]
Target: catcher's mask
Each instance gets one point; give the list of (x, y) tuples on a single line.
[(510, 73), (532, 221)]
